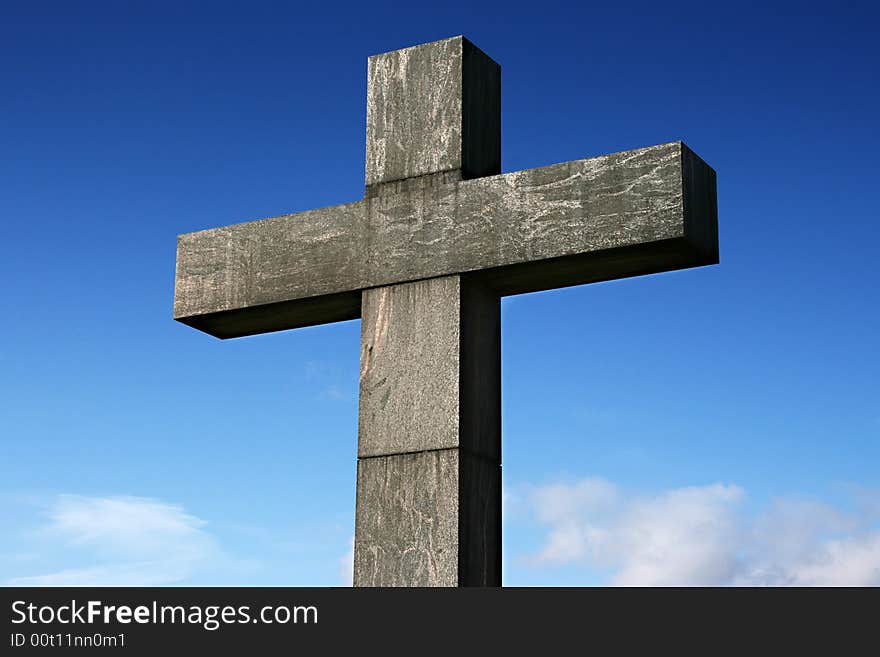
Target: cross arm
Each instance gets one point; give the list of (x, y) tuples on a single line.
[(637, 212)]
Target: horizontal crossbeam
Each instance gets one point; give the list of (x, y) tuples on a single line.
[(636, 212)]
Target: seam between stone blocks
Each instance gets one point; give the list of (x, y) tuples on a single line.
[(378, 189), (463, 450)]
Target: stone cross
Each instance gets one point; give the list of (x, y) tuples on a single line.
[(423, 260)]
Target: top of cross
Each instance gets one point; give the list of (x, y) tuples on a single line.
[(433, 108)]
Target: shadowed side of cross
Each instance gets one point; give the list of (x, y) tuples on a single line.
[(424, 258)]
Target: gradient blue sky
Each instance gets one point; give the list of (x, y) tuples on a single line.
[(717, 425)]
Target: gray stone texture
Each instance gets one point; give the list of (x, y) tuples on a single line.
[(429, 435), (431, 108), (428, 519), (636, 212), (430, 368)]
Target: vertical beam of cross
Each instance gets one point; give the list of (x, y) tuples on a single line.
[(429, 433)]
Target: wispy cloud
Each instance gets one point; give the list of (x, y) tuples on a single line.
[(126, 541), (346, 565), (330, 382), (701, 536)]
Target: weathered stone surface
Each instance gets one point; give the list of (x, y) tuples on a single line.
[(431, 108), (428, 519), (424, 257), (430, 368), (624, 214)]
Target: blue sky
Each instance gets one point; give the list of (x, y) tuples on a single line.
[(713, 426)]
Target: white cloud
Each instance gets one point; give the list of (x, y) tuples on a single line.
[(329, 381), (126, 541), (145, 573), (335, 393), (700, 536)]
